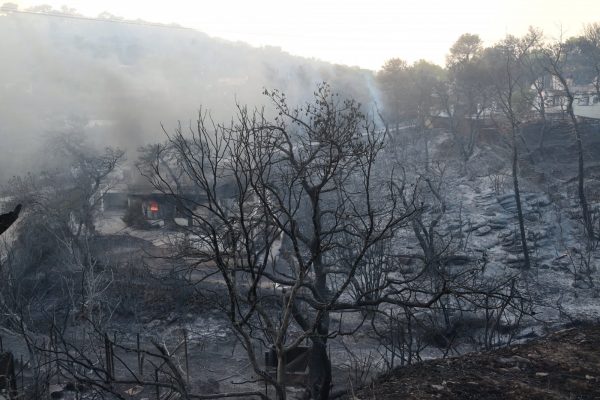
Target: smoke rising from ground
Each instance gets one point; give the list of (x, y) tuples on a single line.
[(116, 82)]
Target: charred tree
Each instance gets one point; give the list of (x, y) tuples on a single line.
[(557, 58)]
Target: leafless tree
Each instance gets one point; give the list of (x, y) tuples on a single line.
[(51, 244), (299, 216), (540, 83), (557, 64), (297, 204), (513, 98)]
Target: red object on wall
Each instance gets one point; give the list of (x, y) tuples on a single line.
[(154, 206)]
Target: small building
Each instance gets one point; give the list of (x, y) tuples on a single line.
[(154, 205), (151, 203), (586, 102)]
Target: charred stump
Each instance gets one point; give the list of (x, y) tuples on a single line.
[(8, 381)]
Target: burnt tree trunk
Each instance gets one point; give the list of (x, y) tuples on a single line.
[(587, 219), (542, 134), (515, 174), (8, 380), (319, 365)]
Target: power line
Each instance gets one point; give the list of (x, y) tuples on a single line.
[(57, 14)]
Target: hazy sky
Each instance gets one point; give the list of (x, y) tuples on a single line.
[(354, 32)]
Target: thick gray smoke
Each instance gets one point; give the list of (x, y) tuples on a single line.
[(116, 82)]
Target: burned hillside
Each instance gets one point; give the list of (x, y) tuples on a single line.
[(205, 219)]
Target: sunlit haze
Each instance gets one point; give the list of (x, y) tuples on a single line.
[(352, 32)]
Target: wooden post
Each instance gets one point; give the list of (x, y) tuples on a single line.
[(185, 347), (112, 354), (392, 342), (57, 364), (139, 356), (44, 355), (329, 357), (107, 352), (53, 341), (112, 359), (156, 381), (22, 373)]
